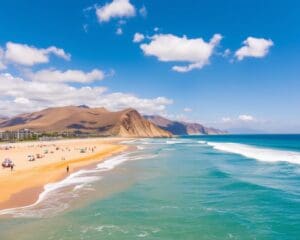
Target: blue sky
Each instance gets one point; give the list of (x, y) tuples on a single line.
[(256, 88)]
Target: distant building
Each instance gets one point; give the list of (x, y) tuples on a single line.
[(22, 134), (48, 138)]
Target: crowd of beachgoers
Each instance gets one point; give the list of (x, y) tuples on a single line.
[(28, 165)]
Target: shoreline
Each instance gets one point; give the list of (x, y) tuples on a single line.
[(24, 186)]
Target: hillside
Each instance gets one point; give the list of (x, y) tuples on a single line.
[(82, 119), (2, 119), (182, 128)]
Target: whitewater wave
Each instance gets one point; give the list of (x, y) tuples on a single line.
[(173, 142), (178, 141), (129, 141), (261, 154)]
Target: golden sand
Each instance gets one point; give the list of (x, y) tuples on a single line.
[(22, 185)]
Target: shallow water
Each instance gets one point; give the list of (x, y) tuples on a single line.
[(186, 188)]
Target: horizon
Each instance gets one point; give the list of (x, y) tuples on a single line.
[(203, 67)]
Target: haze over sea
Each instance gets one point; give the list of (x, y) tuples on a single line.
[(201, 187)]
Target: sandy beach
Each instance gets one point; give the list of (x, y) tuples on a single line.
[(39, 163)]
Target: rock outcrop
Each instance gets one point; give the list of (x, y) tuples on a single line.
[(182, 128)]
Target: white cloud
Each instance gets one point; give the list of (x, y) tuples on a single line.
[(138, 37), (254, 47), (177, 117), (22, 101), (24, 54), (246, 118), (187, 109), (143, 11), (49, 75), (226, 53), (120, 100), (188, 68), (243, 118), (119, 31), (226, 119), (115, 9), (170, 48), (2, 65), (39, 95)]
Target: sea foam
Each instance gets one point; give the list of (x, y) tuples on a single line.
[(261, 154)]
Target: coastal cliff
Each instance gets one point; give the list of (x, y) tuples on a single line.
[(183, 128)]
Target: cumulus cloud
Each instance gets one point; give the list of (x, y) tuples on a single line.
[(170, 48), (254, 47), (119, 31), (44, 88), (188, 68), (138, 37), (187, 109), (2, 65), (50, 75), (21, 100), (226, 53), (226, 119), (241, 118), (38, 95), (24, 54), (178, 117), (246, 118), (115, 9)]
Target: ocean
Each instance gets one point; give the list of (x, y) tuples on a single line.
[(199, 187)]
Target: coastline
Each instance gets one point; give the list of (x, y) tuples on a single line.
[(22, 187)]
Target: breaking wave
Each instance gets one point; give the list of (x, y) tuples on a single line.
[(261, 154)]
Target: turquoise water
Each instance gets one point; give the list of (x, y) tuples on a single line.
[(185, 188)]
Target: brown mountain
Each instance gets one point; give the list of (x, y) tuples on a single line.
[(2, 119), (182, 128), (82, 119)]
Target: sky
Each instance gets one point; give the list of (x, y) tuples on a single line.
[(228, 64)]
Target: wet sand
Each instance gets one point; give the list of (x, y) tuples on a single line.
[(23, 185)]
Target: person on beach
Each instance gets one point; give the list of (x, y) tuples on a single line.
[(11, 167), (68, 169)]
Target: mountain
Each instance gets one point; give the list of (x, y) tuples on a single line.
[(2, 119), (182, 128), (82, 119)]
